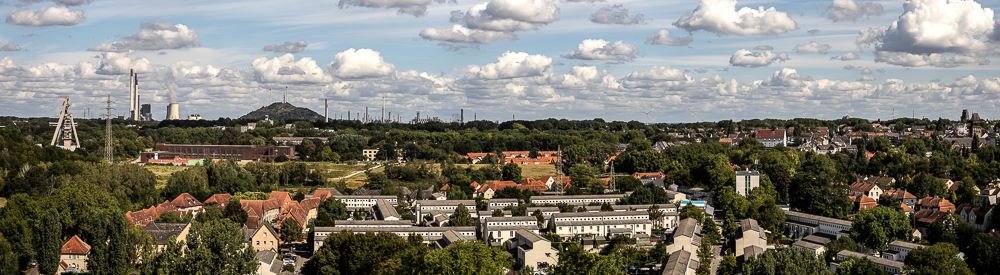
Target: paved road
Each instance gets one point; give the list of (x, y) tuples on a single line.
[(717, 259)]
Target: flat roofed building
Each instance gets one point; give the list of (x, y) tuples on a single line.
[(449, 238), (899, 249), (501, 203), (448, 205), (747, 180), (373, 223), (533, 250), (502, 228), (802, 224), (233, 152), (577, 199), (369, 154), (890, 266), (365, 201)]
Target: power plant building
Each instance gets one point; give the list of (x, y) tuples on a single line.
[(173, 112), (233, 152)]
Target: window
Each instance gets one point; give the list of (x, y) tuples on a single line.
[(258, 242), (265, 234)]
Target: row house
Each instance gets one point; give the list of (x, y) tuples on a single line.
[(183, 204), (500, 229), (899, 249), (448, 206), (815, 243), (687, 237), (977, 216), (890, 266), (600, 223), (355, 202), (802, 224), (681, 262), (989, 196), (578, 199), (750, 237), (771, 138), (385, 211), (903, 196)]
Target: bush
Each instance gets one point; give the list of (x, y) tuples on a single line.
[(289, 268)]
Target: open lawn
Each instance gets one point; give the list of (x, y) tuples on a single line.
[(163, 172)]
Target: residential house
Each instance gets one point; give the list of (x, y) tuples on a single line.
[(750, 234), (862, 202), (771, 138), (977, 216), (935, 204), (162, 232), (681, 262), (262, 238), (687, 237), (533, 250), (815, 243), (500, 229), (186, 203), (219, 199), (73, 255), (429, 234), (903, 196), (578, 199), (447, 206), (868, 189), (989, 196), (601, 223), (449, 238)]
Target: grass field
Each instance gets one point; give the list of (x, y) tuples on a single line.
[(528, 170), (163, 172)]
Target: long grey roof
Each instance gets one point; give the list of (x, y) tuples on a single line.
[(529, 235), (906, 244), (677, 264), (687, 227), (817, 217), (877, 260)]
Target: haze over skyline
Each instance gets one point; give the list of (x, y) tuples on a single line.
[(575, 59)]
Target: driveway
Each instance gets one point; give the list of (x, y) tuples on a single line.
[(717, 259)]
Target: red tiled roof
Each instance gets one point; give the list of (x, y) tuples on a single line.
[(638, 175), (941, 203), (280, 196), (899, 194), (929, 216), (75, 246), (322, 194), (906, 208), (862, 187), (770, 134), (220, 199), (185, 200), (954, 186)]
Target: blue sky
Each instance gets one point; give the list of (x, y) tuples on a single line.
[(531, 58)]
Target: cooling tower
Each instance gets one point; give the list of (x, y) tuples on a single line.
[(173, 112)]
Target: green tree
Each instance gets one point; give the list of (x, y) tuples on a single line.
[(840, 244), (335, 208), (983, 254), (710, 230), (539, 217), (691, 211), (50, 242), (20, 219), (348, 253), (512, 172), (323, 219), (461, 217), (169, 217), (877, 227), (574, 260), (606, 207), (497, 213), (655, 215), (728, 265), (234, 212), (785, 262), (940, 258), (859, 266), (468, 258), (217, 247), (376, 181), (8, 261), (290, 230), (729, 227)]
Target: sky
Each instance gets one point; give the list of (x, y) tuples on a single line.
[(649, 61)]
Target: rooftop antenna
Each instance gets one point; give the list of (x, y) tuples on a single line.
[(108, 145)]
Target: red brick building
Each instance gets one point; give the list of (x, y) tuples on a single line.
[(233, 152)]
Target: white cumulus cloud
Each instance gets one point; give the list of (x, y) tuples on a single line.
[(848, 56), (745, 58), (721, 17), (660, 73), (155, 35), (64, 2), (662, 37), (928, 28), (599, 49), (848, 10), (812, 47), (531, 11), (285, 69), (512, 65), (45, 16), (616, 15), (287, 47), (461, 34), (360, 64)]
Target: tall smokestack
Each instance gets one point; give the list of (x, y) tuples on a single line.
[(390, 117), (366, 114), (326, 111), (131, 94), (135, 90), (461, 117)]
